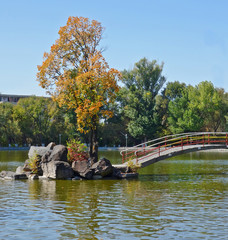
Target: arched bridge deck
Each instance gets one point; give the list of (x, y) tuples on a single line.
[(162, 148)]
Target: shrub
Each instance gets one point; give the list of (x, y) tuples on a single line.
[(133, 166), (34, 162), (76, 151)]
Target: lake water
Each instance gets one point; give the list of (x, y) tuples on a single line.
[(185, 197)]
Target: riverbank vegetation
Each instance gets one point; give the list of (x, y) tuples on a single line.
[(176, 108)]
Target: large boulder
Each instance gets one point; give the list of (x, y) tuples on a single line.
[(57, 170), (39, 151), (54, 163), (59, 153), (103, 167), (44, 155), (82, 169)]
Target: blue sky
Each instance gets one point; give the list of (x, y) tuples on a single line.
[(189, 36)]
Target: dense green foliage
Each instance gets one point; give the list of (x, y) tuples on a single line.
[(34, 120), (9, 130), (141, 86), (200, 108), (144, 109)]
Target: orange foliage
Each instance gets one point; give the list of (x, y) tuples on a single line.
[(76, 74)]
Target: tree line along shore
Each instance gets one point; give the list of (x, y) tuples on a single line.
[(139, 114)]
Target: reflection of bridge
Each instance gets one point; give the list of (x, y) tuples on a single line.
[(162, 148)]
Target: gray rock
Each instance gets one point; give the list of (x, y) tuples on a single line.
[(82, 168), (50, 146), (59, 153), (43, 178), (8, 175), (88, 174), (57, 170), (33, 176), (20, 170), (116, 173), (45, 157), (40, 151), (103, 167), (22, 176)]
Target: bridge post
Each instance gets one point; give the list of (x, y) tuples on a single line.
[(208, 138), (226, 140), (203, 140), (165, 142), (159, 150), (182, 144)]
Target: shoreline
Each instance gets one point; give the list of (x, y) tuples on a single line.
[(101, 149), (13, 148), (215, 150), (27, 148)]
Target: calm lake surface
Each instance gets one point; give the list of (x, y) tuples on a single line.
[(185, 197)]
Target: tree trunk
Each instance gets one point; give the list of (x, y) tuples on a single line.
[(93, 147)]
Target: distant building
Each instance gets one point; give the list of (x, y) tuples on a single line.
[(11, 98)]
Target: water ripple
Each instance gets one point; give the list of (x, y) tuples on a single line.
[(153, 207)]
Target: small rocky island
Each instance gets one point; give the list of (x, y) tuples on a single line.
[(51, 162)]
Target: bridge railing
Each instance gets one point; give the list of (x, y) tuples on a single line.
[(163, 144)]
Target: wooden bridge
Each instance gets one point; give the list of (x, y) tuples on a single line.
[(165, 147)]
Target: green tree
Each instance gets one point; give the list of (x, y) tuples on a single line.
[(39, 119), (200, 108), (9, 130), (141, 86), (112, 130), (212, 105), (184, 114), (174, 90), (170, 92)]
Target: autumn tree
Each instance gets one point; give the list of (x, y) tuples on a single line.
[(76, 75)]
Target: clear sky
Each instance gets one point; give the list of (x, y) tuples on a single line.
[(189, 36)]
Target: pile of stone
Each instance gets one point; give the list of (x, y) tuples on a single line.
[(52, 163)]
